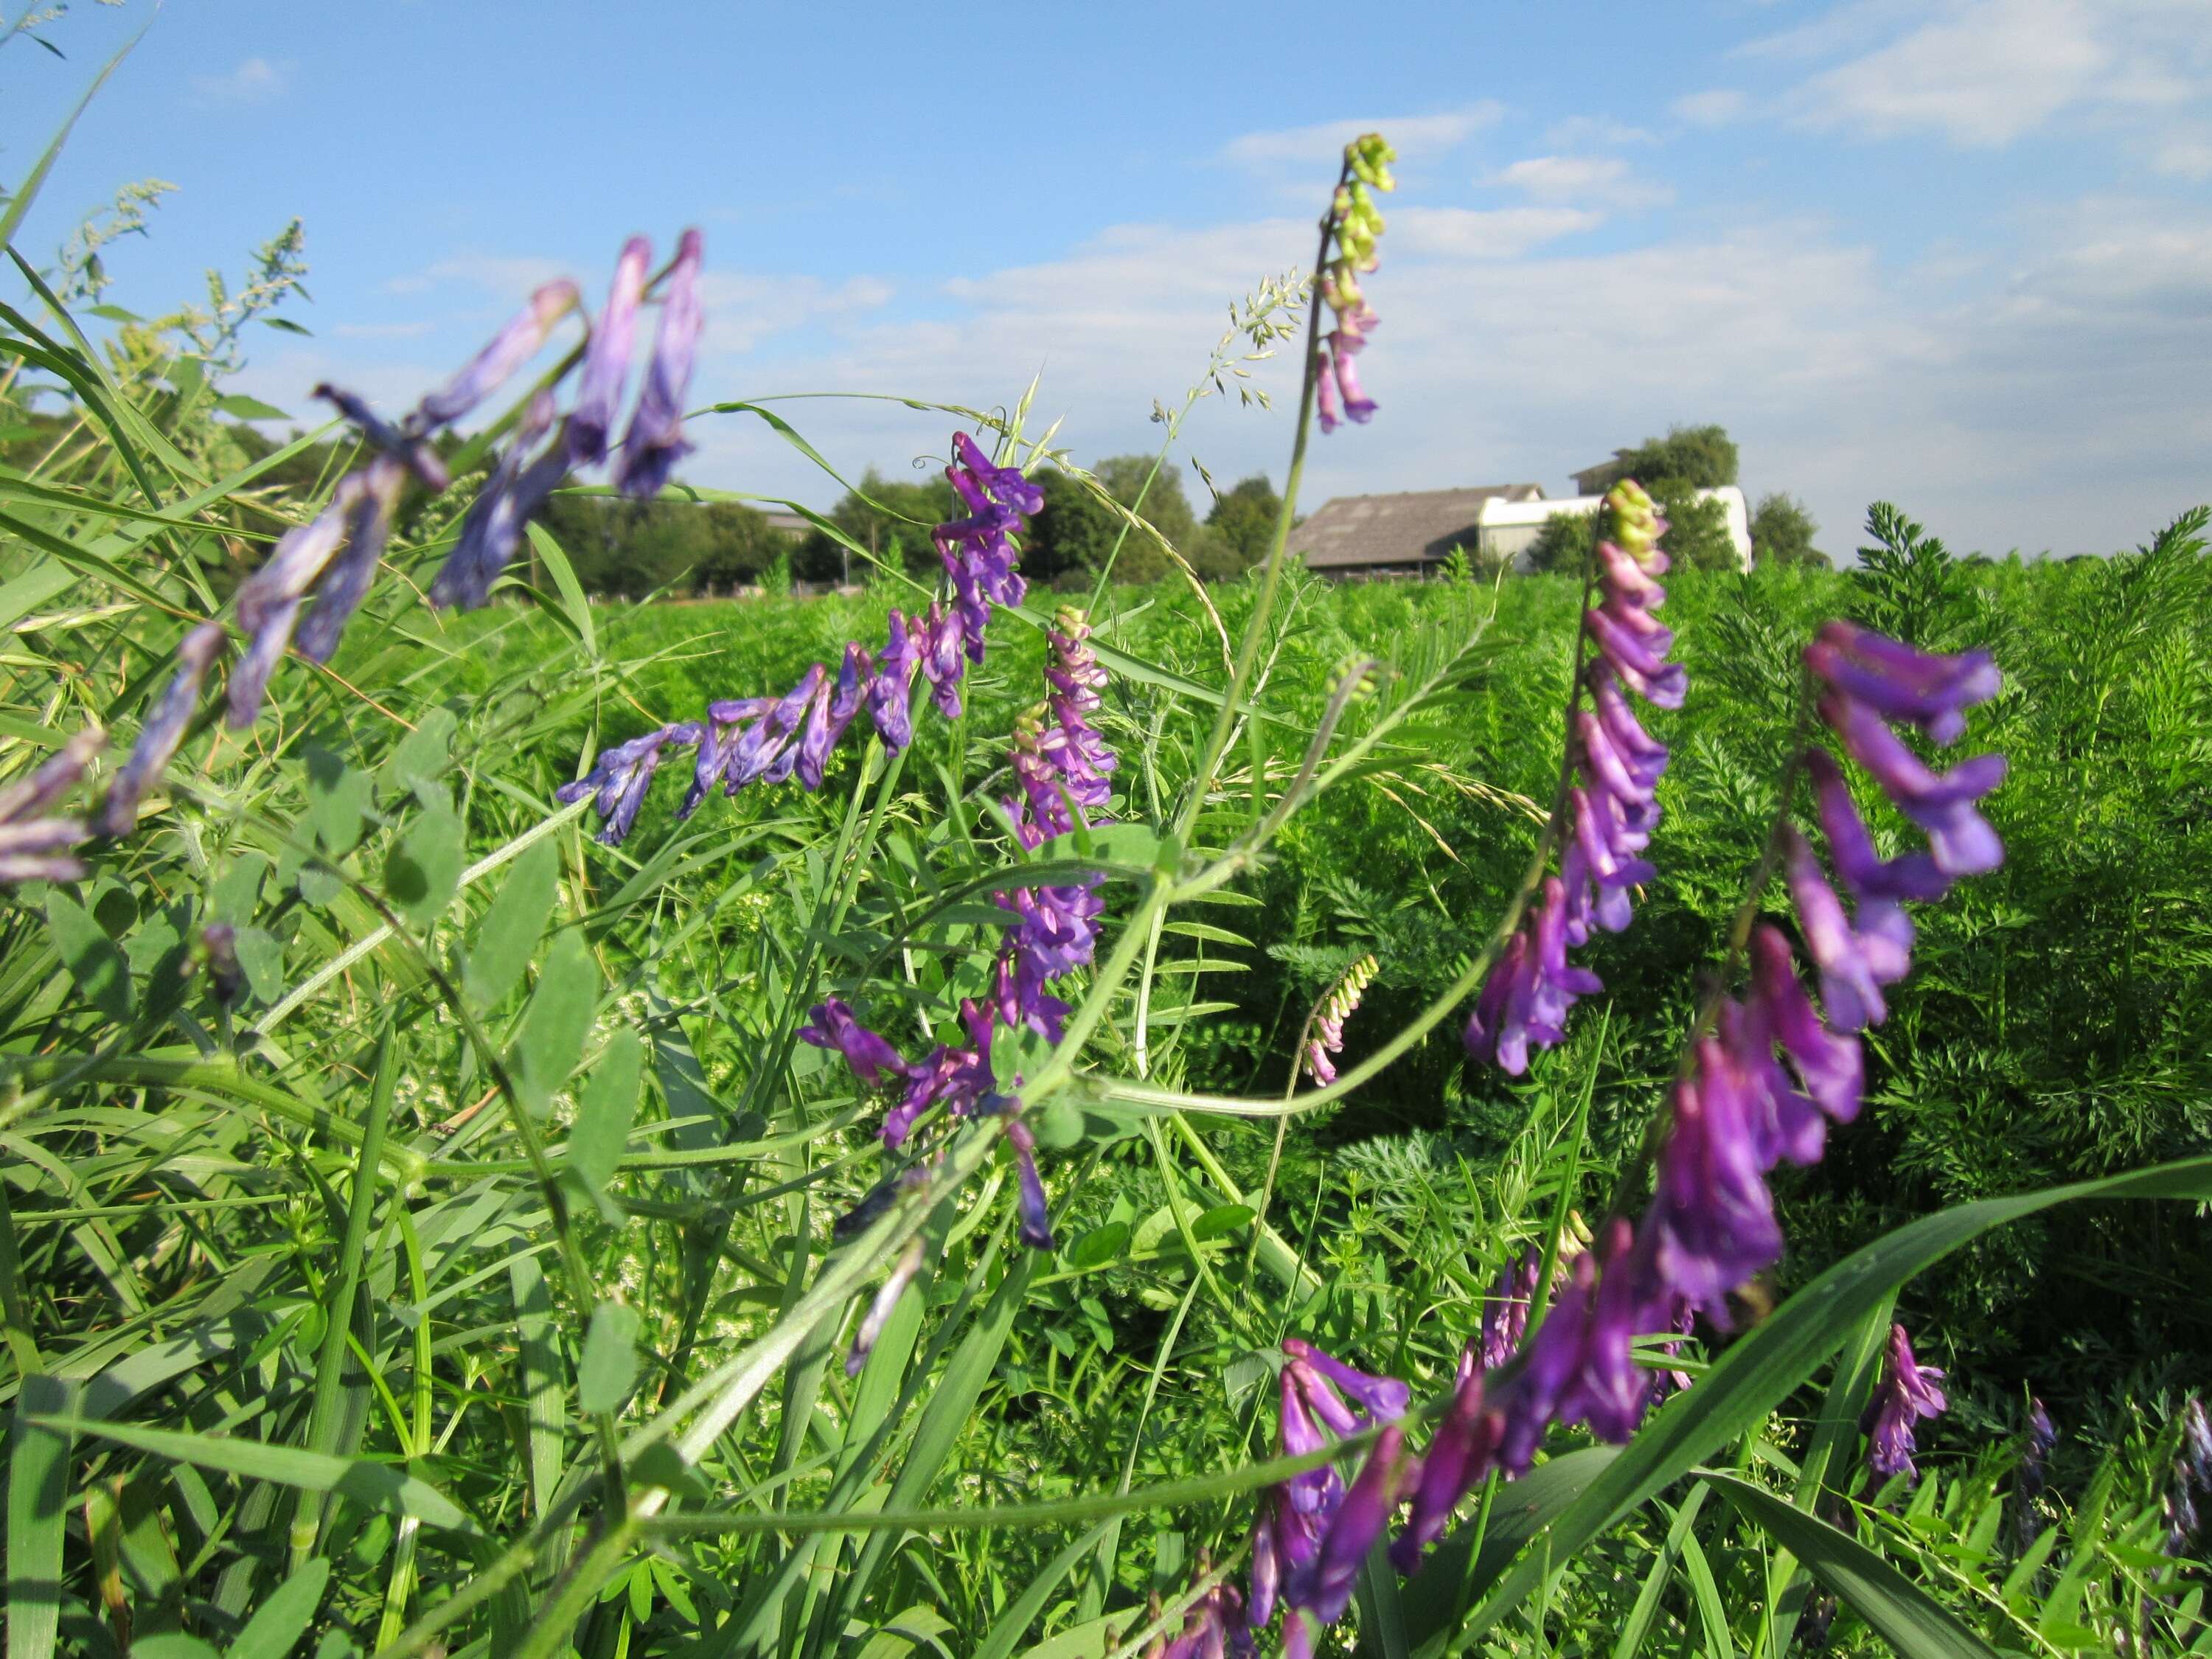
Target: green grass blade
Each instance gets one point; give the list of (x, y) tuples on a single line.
[(373, 1484), (1008, 1629), (19, 203), (1908, 1618), (1760, 1372), (38, 1515)]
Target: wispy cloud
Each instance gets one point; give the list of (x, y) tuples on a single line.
[(255, 80), (382, 330), (1426, 136), (1984, 72), (1716, 108), (1604, 179)]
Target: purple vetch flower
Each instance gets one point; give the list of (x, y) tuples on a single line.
[(1322, 1591), (831, 1024), (1855, 957), (1906, 1392), (513, 346), (1899, 683), (655, 442), (1912, 876), (2196, 1444), (1959, 840), (1213, 1626), (1784, 1122), (163, 730), (2042, 1436), (879, 1309), (491, 531), (1711, 1226), (944, 663), (618, 782), (606, 362), (1506, 1310), (1828, 1065), (1036, 1212), (1456, 1461), (1382, 1398), (977, 552), (1354, 225), (1339, 1006), (717, 735), (1632, 655), (369, 504), (218, 945), (1358, 407), (1325, 409), (1609, 1390), (405, 443), (889, 690), (33, 844)]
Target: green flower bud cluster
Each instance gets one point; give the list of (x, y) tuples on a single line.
[(1356, 221)]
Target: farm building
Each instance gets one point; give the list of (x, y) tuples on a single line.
[(1407, 534), (1507, 529)]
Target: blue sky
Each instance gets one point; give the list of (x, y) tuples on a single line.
[(1957, 254)]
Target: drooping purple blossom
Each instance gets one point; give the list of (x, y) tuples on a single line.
[(831, 1024), (1906, 1394), (655, 442), (1761, 1087), (218, 945), (618, 781), (369, 507), (163, 730), (1612, 807), (1339, 1006), (1354, 225), (35, 841), (771, 740), (529, 471), (1034, 1211), (1316, 1596), (491, 368), (1959, 840), (1901, 684), (879, 1309), (606, 363)]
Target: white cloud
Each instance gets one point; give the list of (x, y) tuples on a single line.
[(507, 277), (1602, 179), (2184, 153), (382, 330), (1986, 71), (1716, 108), (744, 307), (255, 80), (1484, 233), (1578, 130), (1424, 135)]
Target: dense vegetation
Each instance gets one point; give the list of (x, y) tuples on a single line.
[(425, 1228)]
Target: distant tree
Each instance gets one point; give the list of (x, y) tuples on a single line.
[(1564, 541), (1696, 527), (1782, 532), (1703, 456), (913, 504), (1245, 516), (1077, 532)]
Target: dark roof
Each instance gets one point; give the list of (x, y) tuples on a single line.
[(1595, 480), (1417, 527)]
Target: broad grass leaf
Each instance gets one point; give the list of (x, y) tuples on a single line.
[(100, 972), (572, 591), (280, 1621), (554, 1026), (1907, 1617), (1010, 1625), (38, 1515), (375, 1486), (423, 869), (425, 754), (605, 1106), (512, 926), (608, 1369), (337, 796), (1757, 1373)]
